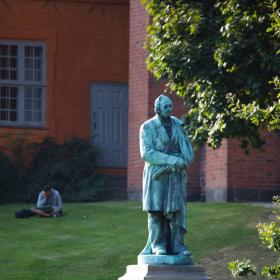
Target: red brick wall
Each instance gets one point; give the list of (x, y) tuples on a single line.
[(216, 172), (138, 95), (255, 176), (194, 178), (231, 175)]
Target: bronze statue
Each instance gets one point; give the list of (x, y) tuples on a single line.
[(167, 151)]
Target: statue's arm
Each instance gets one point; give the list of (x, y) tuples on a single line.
[(148, 151), (188, 149)]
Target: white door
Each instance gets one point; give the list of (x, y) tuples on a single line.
[(109, 124)]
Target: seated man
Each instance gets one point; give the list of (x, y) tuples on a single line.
[(49, 203)]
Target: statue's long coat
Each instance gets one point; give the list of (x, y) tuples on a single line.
[(167, 193)]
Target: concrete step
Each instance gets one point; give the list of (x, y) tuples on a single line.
[(165, 272)]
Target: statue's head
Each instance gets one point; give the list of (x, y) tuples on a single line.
[(163, 106)]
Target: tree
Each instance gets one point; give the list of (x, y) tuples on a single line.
[(223, 59)]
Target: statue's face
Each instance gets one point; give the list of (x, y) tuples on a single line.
[(166, 108)]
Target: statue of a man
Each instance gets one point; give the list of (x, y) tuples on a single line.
[(167, 152)]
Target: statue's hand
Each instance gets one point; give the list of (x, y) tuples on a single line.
[(180, 163)]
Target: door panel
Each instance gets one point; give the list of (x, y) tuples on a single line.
[(109, 107)]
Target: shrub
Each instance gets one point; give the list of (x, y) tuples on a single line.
[(70, 167), (270, 236), (9, 183), (20, 150)]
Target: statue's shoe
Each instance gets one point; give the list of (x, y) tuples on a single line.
[(159, 251), (184, 251)]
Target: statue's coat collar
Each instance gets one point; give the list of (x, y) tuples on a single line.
[(161, 130)]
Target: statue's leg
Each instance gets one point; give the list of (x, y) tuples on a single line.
[(156, 233), (167, 233), (177, 237), (148, 247)]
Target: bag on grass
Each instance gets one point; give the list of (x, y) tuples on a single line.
[(24, 213)]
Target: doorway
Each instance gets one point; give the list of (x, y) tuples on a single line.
[(109, 123)]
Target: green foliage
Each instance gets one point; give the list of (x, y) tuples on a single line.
[(69, 167), (270, 233), (242, 268), (223, 58), (271, 271), (20, 150), (270, 236), (9, 183)]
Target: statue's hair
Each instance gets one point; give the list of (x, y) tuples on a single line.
[(158, 101)]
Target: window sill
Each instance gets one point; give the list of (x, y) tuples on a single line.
[(22, 127)]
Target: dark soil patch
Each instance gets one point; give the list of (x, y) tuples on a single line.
[(216, 266)]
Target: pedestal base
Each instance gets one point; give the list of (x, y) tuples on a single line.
[(165, 259), (164, 272)]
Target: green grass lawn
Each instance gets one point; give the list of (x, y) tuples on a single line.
[(98, 240)]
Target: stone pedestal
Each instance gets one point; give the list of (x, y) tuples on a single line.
[(164, 272), (165, 259)]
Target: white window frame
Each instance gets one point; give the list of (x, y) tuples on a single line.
[(21, 83)]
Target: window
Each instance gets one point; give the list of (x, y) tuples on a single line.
[(22, 83)]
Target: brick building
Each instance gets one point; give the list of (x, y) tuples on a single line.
[(77, 68)]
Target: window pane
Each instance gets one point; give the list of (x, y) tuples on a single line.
[(33, 63), (4, 49), (27, 116), (28, 92), (33, 104), (3, 115), (28, 63), (28, 104), (3, 103), (13, 92), (13, 62), (13, 50), (8, 62), (28, 51), (4, 74), (13, 104), (9, 104), (38, 64), (13, 75), (38, 76), (4, 91), (4, 62), (38, 105), (13, 116), (37, 117), (28, 75), (38, 52), (38, 93)]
